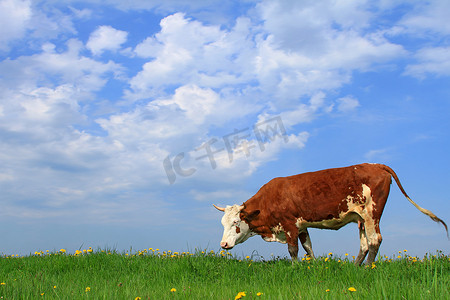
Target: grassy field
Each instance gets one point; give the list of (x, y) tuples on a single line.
[(156, 274)]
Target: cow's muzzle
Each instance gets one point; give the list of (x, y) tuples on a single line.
[(225, 245)]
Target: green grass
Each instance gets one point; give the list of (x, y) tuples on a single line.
[(204, 275)]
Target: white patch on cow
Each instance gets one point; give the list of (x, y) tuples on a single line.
[(373, 237), (231, 221)]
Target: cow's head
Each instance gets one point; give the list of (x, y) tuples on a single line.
[(235, 224)]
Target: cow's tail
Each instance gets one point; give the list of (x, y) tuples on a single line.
[(423, 210)]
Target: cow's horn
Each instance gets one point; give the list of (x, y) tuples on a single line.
[(219, 208)]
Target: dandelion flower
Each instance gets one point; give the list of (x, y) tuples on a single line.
[(247, 257), (2, 283), (88, 289), (62, 250), (173, 290), (240, 295), (352, 289), (331, 253), (137, 298), (259, 294), (327, 290)]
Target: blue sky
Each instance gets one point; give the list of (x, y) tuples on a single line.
[(108, 110)]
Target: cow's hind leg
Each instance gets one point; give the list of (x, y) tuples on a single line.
[(374, 240), (306, 243), (364, 247)]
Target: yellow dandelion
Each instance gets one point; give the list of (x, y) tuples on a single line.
[(173, 290), (54, 286), (247, 257), (2, 283), (42, 294), (405, 250), (346, 254), (327, 290), (352, 289), (259, 294), (62, 250), (240, 295), (331, 253), (137, 298), (88, 289), (326, 258)]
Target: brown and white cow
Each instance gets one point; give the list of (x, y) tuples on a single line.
[(284, 208)]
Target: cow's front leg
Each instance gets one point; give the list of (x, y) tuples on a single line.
[(293, 251), (292, 241), (306, 243)]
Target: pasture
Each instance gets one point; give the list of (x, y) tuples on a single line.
[(157, 274)]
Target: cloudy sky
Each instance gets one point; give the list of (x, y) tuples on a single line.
[(121, 122)]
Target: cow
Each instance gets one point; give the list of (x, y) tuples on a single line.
[(284, 208)]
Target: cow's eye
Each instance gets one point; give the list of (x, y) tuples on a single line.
[(236, 223)]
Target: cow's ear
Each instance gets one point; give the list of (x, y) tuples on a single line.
[(251, 216)]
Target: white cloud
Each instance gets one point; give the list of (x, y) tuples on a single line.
[(197, 103), (347, 104), (106, 38), (316, 46), (53, 67), (187, 52), (14, 18), (309, 27), (426, 17), (435, 61)]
